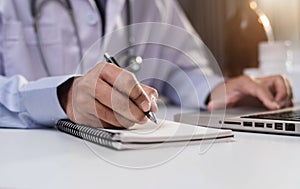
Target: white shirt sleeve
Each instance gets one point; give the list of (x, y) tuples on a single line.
[(33, 104)]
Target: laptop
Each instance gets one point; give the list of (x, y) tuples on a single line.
[(284, 121)]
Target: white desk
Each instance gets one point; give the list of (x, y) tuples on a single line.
[(50, 159)]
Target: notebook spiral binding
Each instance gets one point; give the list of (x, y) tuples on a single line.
[(88, 133)]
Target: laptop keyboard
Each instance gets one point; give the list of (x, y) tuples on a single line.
[(288, 116)]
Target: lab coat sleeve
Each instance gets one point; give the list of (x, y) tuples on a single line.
[(33, 104), (24, 103), (194, 92), (199, 82)]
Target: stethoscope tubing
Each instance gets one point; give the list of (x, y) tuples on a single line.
[(36, 11)]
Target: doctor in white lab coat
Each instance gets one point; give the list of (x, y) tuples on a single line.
[(33, 95)]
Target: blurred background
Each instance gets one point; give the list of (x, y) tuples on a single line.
[(253, 37)]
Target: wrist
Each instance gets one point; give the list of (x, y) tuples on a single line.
[(208, 98), (63, 93)]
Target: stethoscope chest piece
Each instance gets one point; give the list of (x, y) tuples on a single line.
[(134, 63)]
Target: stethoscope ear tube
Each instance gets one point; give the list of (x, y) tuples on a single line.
[(36, 11), (133, 63), (33, 8)]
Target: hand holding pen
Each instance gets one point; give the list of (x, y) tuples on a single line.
[(148, 112), (107, 96)]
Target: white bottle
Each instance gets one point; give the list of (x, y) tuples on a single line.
[(274, 57)]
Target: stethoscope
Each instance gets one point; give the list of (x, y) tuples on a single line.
[(132, 63)]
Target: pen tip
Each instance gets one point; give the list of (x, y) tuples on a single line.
[(152, 117)]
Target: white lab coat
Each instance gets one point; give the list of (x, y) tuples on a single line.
[(28, 96)]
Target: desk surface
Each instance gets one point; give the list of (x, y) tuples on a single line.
[(50, 159)]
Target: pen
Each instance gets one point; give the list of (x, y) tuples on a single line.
[(150, 114)]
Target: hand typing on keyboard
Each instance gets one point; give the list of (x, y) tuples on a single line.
[(274, 92)]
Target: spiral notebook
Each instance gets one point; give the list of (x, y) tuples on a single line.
[(149, 135)]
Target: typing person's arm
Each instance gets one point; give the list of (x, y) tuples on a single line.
[(273, 92), (196, 85)]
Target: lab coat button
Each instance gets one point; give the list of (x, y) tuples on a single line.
[(92, 18)]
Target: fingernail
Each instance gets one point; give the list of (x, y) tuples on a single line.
[(154, 104), (145, 105), (153, 98)]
